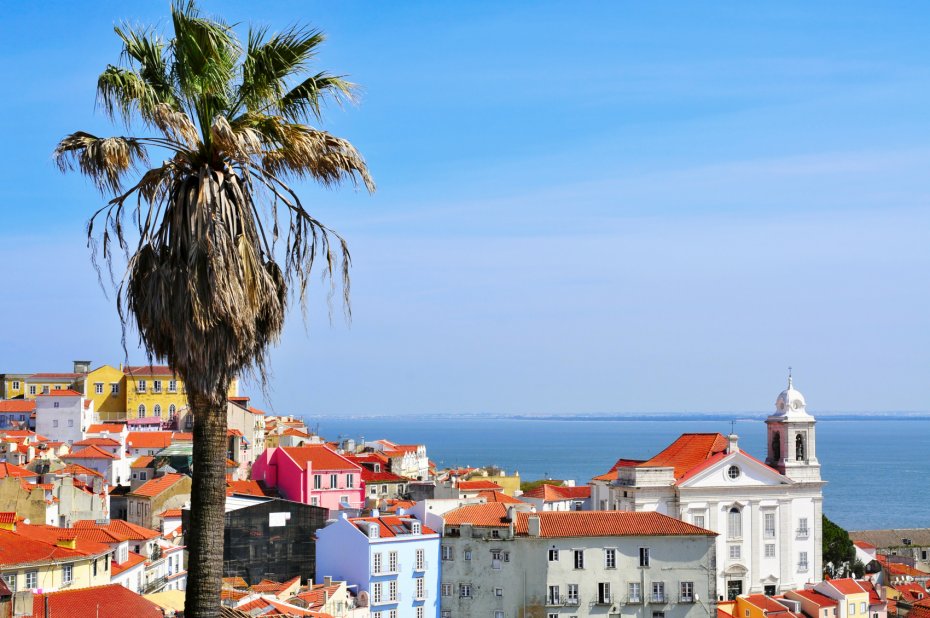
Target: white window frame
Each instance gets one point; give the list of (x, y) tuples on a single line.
[(770, 550), (578, 558), (114, 388), (610, 558), (447, 590), (98, 388), (644, 556)]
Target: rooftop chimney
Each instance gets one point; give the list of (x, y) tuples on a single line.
[(733, 447), (81, 366), (532, 525), (328, 580)]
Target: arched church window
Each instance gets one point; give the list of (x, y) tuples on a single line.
[(141, 410), (776, 446), (799, 447), (734, 523), (157, 410)]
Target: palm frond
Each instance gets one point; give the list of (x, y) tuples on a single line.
[(305, 99), (122, 91), (205, 55), (268, 64), (145, 49), (105, 160)]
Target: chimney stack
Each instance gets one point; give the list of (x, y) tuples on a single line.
[(733, 447), (532, 525)]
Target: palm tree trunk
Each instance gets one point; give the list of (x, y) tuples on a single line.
[(208, 504)]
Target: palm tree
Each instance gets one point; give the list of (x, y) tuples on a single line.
[(216, 242)]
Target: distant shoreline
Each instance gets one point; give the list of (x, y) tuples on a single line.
[(669, 417)]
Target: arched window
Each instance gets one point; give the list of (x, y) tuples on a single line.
[(157, 409), (141, 410), (776, 446), (799, 447), (735, 524), (171, 410)]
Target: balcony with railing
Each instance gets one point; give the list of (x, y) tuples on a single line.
[(555, 601), (604, 599), (658, 597), (572, 601), (803, 533), (421, 566)]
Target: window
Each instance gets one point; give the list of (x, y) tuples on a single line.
[(852, 609), (496, 559), (317, 481), (467, 554), (376, 592), (171, 410), (447, 590), (643, 556), (140, 386), (573, 594), (658, 614), (156, 386), (419, 611), (495, 533), (552, 597), (802, 561), (446, 552), (736, 552), (172, 386), (314, 501), (498, 592), (769, 525), (114, 388), (376, 563), (658, 592), (421, 559), (55, 422), (465, 591), (141, 410), (447, 613), (579, 558), (384, 489), (15, 385), (10, 580), (32, 577), (98, 388), (734, 524), (636, 592), (553, 555), (333, 481), (55, 404), (802, 528), (32, 390), (374, 490), (392, 562), (157, 409), (70, 422), (603, 592), (733, 473), (799, 447), (687, 592), (610, 558), (862, 607), (498, 613), (699, 521), (392, 591), (350, 481), (770, 550)]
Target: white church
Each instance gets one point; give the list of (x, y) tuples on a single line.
[(767, 514)]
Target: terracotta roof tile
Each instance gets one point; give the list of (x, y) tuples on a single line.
[(498, 496), (145, 461), (157, 486), (687, 452), (134, 559), (248, 488), (8, 469), (121, 528), (321, 457), (847, 586), (148, 439), (620, 463), (391, 525), (17, 405), (61, 392), (78, 470), (91, 452), (148, 370), (556, 493), (109, 600), (97, 442), (479, 486), (821, 600), (106, 427)]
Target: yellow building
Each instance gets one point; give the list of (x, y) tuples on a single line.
[(13, 385), (49, 558), (155, 391), (106, 386)]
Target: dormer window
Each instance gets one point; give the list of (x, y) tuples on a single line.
[(373, 531), (377, 467), (415, 527)]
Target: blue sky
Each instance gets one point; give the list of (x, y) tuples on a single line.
[(581, 207)]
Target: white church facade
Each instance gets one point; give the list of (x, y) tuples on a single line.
[(767, 514)]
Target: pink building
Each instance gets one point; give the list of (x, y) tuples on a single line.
[(313, 474)]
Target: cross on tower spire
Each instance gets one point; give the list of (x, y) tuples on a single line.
[(790, 381)]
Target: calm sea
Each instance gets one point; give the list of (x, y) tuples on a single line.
[(876, 470)]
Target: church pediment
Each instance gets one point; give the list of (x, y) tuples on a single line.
[(733, 470)]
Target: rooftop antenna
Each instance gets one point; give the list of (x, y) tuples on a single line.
[(790, 381), (732, 427)]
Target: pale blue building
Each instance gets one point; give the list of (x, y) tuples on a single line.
[(393, 560)]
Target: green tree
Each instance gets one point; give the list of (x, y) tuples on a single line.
[(839, 553), (216, 240)]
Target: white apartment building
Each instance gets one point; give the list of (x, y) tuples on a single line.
[(64, 415), (503, 562), (767, 515)]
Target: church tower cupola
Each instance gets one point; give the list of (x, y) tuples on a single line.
[(791, 438)]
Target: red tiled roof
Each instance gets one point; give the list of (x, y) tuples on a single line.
[(149, 370), (156, 486), (233, 432), (390, 525), (8, 469), (91, 452), (255, 411), (321, 457), (143, 462), (61, 392), (7, 517), (97, 442), (267, 585), (290, 431), (235, 582), (120, 528), (78, 470), (479, 485), (98, 535), (54, 376), (317, 595), (556, 493), (108, 427), (821, 600), (896, 568), (621, 463), (109, 600), (847, 586), (269, 607), (182, 436), (687, 452), (249, 488), (38, 544), (766, 604), (133, 560), (498, 496), (170, 514), (864, 545), (17, 405), (148, 439)]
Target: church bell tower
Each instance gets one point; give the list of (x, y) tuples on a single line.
[(792, 444)]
